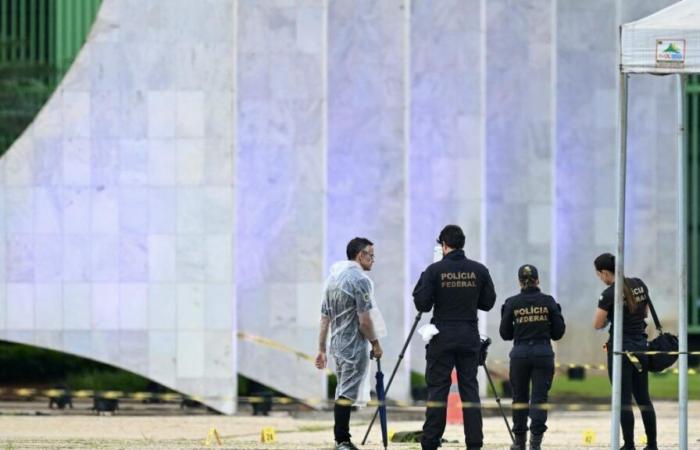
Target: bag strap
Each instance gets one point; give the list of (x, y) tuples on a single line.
[(657, 323)]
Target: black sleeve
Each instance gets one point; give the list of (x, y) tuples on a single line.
[(423, 292), (506, 328), (557, 325), (487, 296), (605, 302)]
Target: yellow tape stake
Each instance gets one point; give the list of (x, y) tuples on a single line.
[(267, 435), (212, 436), (589, 437)]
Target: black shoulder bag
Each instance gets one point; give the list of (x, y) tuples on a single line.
[(664, 342)]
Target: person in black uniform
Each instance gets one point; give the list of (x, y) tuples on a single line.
[(532, 319), (455, 288), (635, 380)]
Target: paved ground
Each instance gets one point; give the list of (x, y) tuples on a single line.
[(166, 428)]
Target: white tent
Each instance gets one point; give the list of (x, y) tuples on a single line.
[(664, 43)]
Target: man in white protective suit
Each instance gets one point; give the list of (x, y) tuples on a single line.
[(349, 309)]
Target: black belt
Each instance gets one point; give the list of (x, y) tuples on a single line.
[(435, 321), (532, 342)]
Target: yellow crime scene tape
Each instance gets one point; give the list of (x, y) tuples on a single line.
[(319, 402)]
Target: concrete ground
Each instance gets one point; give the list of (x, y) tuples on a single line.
[(162, 427)]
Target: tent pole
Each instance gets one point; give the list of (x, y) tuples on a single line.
[(619, 268), (682, 267)]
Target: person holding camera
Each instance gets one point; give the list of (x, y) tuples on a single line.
[(455, 288), (635, 380), (532, 319)]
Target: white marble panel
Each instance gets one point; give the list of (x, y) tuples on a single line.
[(190, 354), (219, 264), (77, 308), (218, 207), (190, 161), (77, 342), (218, 310), (162, 162), (19, 254), (162, 114), (190, 210), (162, 208), (48, 306), (48, 155), (133, 162), (77, 162), (219, 350), (19, 210), (190, 307), (3, 304), (133, 209), (133, 350), (133, 258), (77, 107), (104, 299), (162, 306), (105, 257), (162, 351), (48, 339), (48, 258), (19, 306), (105, 210), (18, 164), (161, 258), (133, 306), (105, 345), (189, 122), (76, 210), (190, 258)]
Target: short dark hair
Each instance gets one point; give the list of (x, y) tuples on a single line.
[(355, 246), (606, 261), (452, 236)]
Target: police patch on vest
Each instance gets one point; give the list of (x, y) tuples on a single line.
[(457, 280), (531, 314)]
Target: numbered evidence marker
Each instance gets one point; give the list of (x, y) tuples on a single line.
[(267, 435), (589, 437), (212, 436), (643, 439)]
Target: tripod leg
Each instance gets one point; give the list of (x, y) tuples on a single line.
[(393, 373), (498, 400)]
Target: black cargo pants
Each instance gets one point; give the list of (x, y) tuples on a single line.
[(531, 362), (457, 346)]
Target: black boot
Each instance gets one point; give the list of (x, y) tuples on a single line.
[(519, 443), (651, 447), (535, 441), (627, 447)]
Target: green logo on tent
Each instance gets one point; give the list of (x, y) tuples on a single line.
[(672, 48)]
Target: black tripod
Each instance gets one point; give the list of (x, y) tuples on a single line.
[(482, 361), (396, 367)]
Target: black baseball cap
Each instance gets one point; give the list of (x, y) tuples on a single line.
[(528, 272)]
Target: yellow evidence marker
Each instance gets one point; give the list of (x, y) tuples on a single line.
[(267, 435), (589, 437), (212, 436)]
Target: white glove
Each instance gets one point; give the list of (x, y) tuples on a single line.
[(427, 332)]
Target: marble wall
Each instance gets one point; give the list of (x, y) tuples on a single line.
[(446, 150), (280, 188), (118, 202), (203, 164)]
